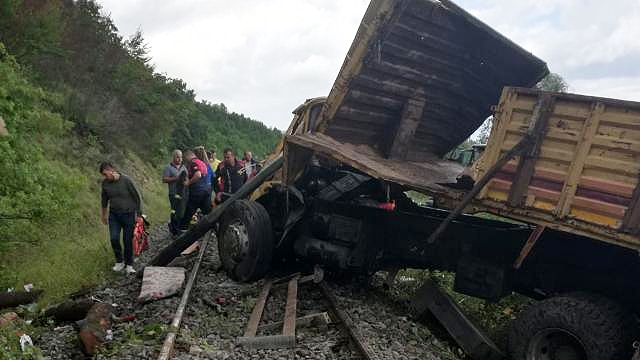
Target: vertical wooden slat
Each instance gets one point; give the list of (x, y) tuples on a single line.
[(524, 144), (256, 314), (631, 221), (410, 118), (538, 128), (289, 326), (588, 133), (501, 120)]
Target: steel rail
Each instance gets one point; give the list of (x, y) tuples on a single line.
[(167, 347), (357, 338)]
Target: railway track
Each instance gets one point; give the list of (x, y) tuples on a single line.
[(336, 337), (218, 310)]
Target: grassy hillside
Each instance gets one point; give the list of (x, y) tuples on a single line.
[(73, 93), (49, 198)]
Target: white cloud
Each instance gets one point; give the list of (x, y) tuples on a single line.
[(591, 43), (263, 58)]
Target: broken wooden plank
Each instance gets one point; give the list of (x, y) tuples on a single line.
[(528, 245), (268, 342), (256, 314), (193, 247), (289, 326), (320, 320), (472, 340)]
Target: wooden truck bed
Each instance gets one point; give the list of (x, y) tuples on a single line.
[(583, 177)]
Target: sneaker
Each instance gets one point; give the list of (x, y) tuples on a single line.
[(118, 267), (129, 270)]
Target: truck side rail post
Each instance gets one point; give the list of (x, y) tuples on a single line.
[(535, 131)]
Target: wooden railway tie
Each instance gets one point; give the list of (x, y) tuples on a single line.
[(288, 337)]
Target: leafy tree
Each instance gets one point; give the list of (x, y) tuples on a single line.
[(485, 130), (553, 82)]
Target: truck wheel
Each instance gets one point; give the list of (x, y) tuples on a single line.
[(245, 241), (576, 326)]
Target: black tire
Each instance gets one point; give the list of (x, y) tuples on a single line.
[(245, 222), (573, 326)]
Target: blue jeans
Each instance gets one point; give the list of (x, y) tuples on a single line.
[(122, 222)]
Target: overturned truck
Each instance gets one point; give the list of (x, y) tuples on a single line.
[(420, 77)]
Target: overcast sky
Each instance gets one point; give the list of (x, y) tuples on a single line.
[(263, 58)]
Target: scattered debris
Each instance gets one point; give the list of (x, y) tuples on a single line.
[(193, 247), (62, 328), (94, 329), (380, 319), (8, 318), (25, 340), (160, 282), (15, 298), (124, 319), (430, 297), (69, 310), (28, 287)]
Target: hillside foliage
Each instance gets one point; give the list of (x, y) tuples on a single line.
[(74, 92), (108, 87)]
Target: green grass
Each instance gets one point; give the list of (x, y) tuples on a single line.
[(490, 216), (70, 255), (10, 345)]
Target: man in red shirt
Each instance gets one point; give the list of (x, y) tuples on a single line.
[(199, 188)]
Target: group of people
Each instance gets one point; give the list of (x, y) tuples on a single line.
[(204, 180), (193, 184)]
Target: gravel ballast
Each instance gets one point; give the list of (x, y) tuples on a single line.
[(218, 313)]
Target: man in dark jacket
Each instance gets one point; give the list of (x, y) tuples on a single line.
[(121, 197), (230, 175)]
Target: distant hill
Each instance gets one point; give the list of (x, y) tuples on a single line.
[(110, 91)]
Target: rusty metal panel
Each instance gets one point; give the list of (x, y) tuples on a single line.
[(586, 174), (408, 49)]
